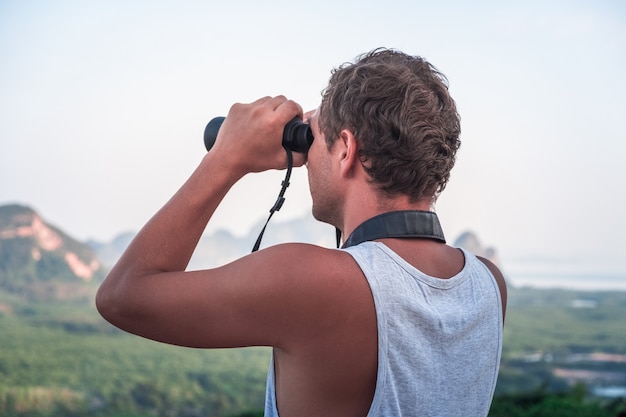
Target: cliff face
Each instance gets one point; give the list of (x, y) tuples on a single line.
[(33, 251)]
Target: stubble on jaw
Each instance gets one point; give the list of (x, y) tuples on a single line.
[(325, 207)]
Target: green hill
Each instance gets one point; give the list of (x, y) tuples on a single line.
[(39, 261)]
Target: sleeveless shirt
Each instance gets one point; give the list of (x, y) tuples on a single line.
[(439, 340)]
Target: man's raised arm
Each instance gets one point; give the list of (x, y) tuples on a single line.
[(148, 291)]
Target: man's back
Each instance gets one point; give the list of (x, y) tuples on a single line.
[(439, 339), (401, 347)]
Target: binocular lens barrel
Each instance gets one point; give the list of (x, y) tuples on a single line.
[(297, 135), (211, 130)]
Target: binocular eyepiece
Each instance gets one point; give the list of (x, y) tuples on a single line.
[(297, 135)]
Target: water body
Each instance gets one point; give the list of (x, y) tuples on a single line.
[(574, 274), (570, 281)]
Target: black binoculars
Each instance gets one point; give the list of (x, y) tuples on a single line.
[(297, 135)]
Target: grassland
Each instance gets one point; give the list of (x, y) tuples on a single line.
[(63, 359)]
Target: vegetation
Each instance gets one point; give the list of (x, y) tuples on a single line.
[(62, 359), (557, 329), (564, 322), (542, 403)]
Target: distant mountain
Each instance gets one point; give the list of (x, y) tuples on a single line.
[(39, 261), (470, 241), (109, 252), (220, 247)]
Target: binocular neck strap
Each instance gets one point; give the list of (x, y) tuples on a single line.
[(281, 197), (396, 224)]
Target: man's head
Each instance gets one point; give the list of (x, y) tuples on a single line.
[(406, 124)]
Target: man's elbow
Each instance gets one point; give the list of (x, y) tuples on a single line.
[(110, 301), (105, 303)]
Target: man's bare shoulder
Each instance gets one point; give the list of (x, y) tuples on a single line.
[(301, 265), (281, 295), (304, 257)]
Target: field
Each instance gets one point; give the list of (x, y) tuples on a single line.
[(551, 336), (67, 358), (63, 359)]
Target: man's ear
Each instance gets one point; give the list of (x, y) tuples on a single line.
[(348, 152)]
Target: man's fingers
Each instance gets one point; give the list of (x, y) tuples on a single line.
[(289, 109), (275, 102), (261, 100), (286, 109)]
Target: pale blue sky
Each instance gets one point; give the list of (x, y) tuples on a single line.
[(103, 105)]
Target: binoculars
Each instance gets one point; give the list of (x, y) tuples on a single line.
[(297, 135)]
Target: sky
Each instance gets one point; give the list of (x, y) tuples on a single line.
[(103, 107)]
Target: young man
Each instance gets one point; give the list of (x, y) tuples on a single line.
[(396, 324)]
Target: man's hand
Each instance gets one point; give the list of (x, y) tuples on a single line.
[(250, 140)]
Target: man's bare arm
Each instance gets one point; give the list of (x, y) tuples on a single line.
[(148, 291)]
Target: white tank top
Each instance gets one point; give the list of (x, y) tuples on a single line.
[(439, 340)]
